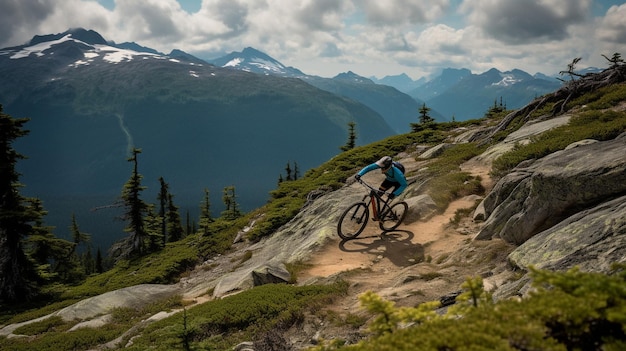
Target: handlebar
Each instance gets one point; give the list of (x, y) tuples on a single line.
[(377, 191)]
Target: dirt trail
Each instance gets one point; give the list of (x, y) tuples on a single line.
[(418, 262), (392, 250)]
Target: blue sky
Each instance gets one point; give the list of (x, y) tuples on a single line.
[(328, 37)]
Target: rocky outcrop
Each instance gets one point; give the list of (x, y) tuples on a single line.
[(539, 195), (593, 240), (101, 305)]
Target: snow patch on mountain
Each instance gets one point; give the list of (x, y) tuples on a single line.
[(38, 49), (271, 66), (234, 63), (507, 80), (91, 52)]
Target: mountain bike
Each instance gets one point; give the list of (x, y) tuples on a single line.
[(354, 218)]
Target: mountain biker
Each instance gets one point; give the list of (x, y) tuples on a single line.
[(393, 176)]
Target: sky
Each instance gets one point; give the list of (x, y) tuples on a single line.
[(372, 38)]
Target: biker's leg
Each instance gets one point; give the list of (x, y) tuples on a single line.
[(386, 184)]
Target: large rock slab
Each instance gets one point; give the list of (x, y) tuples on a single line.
[(593, 240), (533, 198), (131, 297), (522, 136)]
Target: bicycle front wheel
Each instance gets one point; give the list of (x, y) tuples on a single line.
[(353, 221), (394, 217)]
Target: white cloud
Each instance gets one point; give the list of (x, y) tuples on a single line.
[(612, 28), (526, 21), (400, 12), (327, 37)]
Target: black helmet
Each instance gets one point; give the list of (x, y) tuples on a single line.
[(384, 162)]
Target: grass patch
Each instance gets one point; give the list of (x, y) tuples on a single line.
[(52, 334), (221, 324), (593, 124), (447, 181)]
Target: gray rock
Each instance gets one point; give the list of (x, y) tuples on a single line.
[(420, 207), (531, 199), (593, 240), (435, 151), (271, 275), (522, 136)]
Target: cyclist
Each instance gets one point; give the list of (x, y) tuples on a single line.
[(393, 176)]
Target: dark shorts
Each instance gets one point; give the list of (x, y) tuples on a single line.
[(386, 184)]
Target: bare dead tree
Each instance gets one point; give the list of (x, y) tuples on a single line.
[(572, 89)]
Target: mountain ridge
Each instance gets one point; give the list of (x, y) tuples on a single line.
[(89, 104), (445, 94)]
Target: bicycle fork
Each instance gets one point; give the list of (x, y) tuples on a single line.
[(375, 206)]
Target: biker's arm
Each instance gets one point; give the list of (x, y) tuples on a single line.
[(401, 179), (368, 168)]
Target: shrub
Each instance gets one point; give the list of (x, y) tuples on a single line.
[(220, 324), (570, 310)]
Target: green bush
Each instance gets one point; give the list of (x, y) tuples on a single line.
[(220, 324), (571, 310)]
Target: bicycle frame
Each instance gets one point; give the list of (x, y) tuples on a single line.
[(376, 200)]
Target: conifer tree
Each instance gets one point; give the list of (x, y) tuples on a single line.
[(54, 257), (351, 143), (174, 224), (205, 214), (288, 170), (135, 210), (99, 262), (230, 201), (163, 197), (18, 276), (189, 224), (424, 117), (89, 262), (78, 237), (296, 171), (153, 228)]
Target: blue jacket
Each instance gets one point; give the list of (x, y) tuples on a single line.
[(393, 175)]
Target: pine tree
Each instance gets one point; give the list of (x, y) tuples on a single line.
[(163, 197), (205, 214), (136, 242), (351, 143), (424, 117), (18, 276), (174, 224), (288, 170), (78, 237), (154, 230), (232, 208), (296, 171), (99, 262), (88, 262), (54, 257), (189, 224)]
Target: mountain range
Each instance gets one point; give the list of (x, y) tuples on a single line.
[(454, 94), (199, 126), (236, 120)]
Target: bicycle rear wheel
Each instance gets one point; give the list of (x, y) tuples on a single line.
[(394, 217), (353, 221)]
